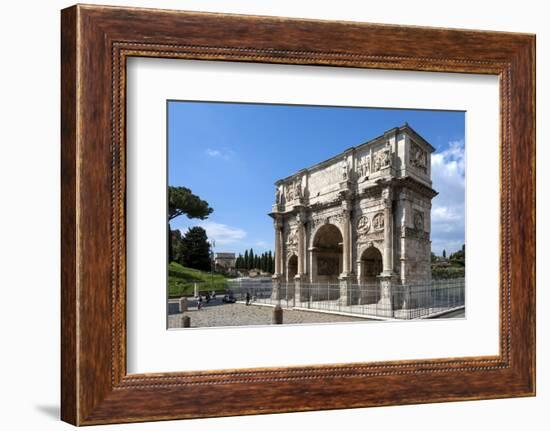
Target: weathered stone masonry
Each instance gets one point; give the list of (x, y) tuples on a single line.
[(360, 217)]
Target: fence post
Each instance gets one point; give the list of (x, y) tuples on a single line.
[(277, 315), (185, 322)]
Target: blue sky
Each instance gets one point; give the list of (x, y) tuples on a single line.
[(231, 154)]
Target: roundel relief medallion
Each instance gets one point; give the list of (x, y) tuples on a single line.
[(363, 224), (378, 221)]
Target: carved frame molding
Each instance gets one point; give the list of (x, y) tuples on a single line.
[(96, 41)]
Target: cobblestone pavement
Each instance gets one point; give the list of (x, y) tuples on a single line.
[(219, 314)]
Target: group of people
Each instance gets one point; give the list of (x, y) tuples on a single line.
[(207, 298), (228, 298)]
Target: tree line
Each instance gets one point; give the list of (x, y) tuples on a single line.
[(458, 257), (451, 267), (264, 262), (192, 249)]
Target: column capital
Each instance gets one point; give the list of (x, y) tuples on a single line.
[(346, 205), (387, 197), (405, 195), (387, 193), (300, 218), (278, 222)]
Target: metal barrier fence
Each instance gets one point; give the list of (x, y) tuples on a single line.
[(410, 301)]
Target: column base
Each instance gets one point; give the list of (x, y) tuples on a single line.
[(385, 304), (345, 281), (301, 293), (276, 287)]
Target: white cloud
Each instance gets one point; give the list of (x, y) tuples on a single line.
[(213, 153), (445, 214), (448, 177), (224, 154), (222, 233)]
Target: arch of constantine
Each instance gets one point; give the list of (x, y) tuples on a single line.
[(360, 217)]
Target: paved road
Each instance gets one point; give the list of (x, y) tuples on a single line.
[(220, 314), (216, 313)]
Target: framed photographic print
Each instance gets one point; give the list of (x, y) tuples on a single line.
[(292, 215)]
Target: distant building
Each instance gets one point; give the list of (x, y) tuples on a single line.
[(225, 262)]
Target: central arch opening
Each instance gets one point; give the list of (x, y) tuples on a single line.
[(327, 254)]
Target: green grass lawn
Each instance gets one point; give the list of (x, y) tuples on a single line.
[(181, 280)]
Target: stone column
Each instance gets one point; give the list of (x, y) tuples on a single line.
[(279, 264), (312, 265), (406, 220), (301, 244), (300, 277), (346, 270), (281, 251), (387, 264), (345, 277), (276, 279), (387, 277)]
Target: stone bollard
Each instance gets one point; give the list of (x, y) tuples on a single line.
[(183, 304), (277, 315), (185, 322)]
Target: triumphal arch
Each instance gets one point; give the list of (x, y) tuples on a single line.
[(360, 217)]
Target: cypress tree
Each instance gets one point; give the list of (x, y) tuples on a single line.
[(251, 259), (271, 263), (239, 263), (245, 263)]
